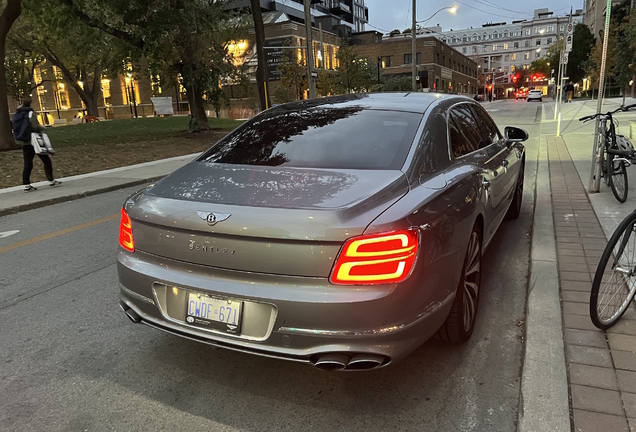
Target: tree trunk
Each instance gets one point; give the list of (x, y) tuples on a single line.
[(11, 12), (261, 72), (90, 91), (197, 106)]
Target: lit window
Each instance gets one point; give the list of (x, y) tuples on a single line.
[(513, 57), (505, 46), (494, 47)]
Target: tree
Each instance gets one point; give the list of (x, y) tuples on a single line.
[(353, 74), (542, 66), (582, 43), (11, 12), (185, 39), (400, 83), (293, 75), (83, 55), (325, 84), (20, 70)]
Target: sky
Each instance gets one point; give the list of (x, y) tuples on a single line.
[(386, 15)]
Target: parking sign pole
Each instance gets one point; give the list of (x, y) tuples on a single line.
[(597, 153)]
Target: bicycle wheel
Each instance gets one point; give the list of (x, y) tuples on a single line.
[(617, 173), (615, 279)]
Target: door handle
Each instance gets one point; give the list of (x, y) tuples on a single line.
[(486, 184), (505, 163)]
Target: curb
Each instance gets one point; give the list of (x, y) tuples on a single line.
[(57, 200), (544, 400), (108, 171)]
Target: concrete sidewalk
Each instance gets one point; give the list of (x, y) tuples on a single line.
[(601, 365), (14, 199)]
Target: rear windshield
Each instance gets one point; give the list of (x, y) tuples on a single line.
[(337, 138)]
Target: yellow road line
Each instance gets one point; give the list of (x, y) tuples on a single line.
[(58, 233)]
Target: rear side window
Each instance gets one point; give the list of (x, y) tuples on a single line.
[(337, 138), (489, 130), (465, 136)]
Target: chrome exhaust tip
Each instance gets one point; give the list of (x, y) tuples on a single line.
[(332, 362), (131, 314), (365, 362)]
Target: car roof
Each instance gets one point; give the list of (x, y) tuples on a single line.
[(417, 102)]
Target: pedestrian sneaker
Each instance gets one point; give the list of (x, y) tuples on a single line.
[(55, 182), (29, 188)]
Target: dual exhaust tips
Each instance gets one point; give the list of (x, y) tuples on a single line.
[(328, 362), (338, 362)]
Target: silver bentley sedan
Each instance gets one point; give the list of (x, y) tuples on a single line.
[(341, 232)]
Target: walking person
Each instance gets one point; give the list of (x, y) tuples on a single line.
[(24, 123), (570, 91)]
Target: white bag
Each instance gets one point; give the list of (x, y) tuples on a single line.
[(41, 143)]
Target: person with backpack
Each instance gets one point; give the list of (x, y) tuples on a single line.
[(24, 123)]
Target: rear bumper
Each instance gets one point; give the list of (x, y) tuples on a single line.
[(298, 319)]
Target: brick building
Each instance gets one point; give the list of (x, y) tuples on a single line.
[(56, 100), (439, 67)]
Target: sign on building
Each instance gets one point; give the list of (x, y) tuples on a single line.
[(568, 43), (163, 105), (274, 55)]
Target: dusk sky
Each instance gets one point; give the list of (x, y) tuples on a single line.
[(386, 15)]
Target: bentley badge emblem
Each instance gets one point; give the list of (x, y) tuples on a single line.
[(213, 218)]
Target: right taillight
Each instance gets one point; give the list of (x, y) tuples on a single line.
[(376, 258), (125, 232)]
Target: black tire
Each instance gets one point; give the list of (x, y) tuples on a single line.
[(617, 173), (611, 280), (527, 100), (515, 207), (459, 325), (540, 100)]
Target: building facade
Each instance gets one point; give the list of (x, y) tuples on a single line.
[(55, 101), (501, 47), (439, 67), (595, 15), (341, 17)]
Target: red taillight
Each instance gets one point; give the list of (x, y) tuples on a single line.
[(125, 232), (376, 258)]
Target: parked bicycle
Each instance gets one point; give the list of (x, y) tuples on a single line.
[(614, 283), (617, 154)]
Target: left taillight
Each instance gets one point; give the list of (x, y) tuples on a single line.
[(125, 232), (376, 258)]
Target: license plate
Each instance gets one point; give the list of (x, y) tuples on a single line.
[(214, 313)]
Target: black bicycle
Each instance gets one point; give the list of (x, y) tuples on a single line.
[(614, 283), (617, 153)]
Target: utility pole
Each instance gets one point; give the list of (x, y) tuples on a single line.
[(310, 51), (414, 47), (557, 90), (597, 153)]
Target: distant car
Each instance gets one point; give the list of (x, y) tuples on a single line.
[(479, 98), (535, 95), (520, 94), (340, 232)]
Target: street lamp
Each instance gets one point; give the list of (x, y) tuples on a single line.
[(451, 9)]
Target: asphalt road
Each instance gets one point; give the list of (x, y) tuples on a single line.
[(71, 361)]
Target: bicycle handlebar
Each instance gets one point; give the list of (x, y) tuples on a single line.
[(609, 113)]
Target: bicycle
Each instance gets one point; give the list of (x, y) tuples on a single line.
[(617, 154), (614, 284)]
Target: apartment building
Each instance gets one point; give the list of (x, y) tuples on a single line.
[(339, 16), (595, 15), (439, 67), (501, 47)]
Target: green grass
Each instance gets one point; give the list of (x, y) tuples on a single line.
[(127, 130)]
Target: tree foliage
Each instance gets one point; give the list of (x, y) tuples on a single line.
[(582, 43), (353, 74), (84, 55), (186, 40), (10, 13), (293, 74)]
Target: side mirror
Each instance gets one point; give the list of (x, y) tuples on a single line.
[(515, 134)]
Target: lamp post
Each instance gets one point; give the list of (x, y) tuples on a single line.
[(452, 10), (379, 60), (132, 92)]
